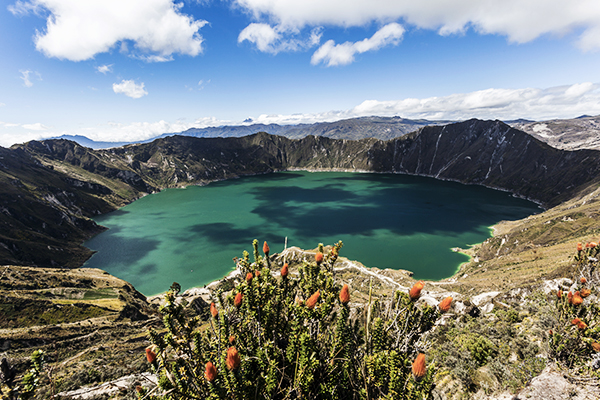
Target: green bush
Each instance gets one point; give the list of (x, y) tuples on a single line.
[(575, 339), (283, 337), (10, 388)]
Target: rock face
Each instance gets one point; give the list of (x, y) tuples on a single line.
[(69, 183), (552, 385), (565, 134)]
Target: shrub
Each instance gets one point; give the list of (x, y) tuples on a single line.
[(10, 389), (574, 340), (294, 337)]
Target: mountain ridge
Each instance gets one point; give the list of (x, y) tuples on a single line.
[(488, 153)]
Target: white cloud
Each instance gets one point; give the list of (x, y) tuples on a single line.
[(104, 68), (25, 76), (155, 58), (262, 35), (35, 127), (78, 30), (342, 54), (273, 39), (505, 104), (130, 89), (21, 8), (520, 21)]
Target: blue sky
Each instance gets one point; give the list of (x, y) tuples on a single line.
[(120, 70)]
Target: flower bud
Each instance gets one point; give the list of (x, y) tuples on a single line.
[(418, 367), (415, 291), (233, 359), (319, 257), (238, 300), (312, 300), (345, 295), (211, 372), (150, 356), (445, 304), (284, 270), (266, 249), (213, 310)]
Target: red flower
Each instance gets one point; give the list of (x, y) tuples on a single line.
[(319, 257), (415, 291), (559, 294), (257, 273), (150, 356), (238, 300), (231, 339), (266, 249), (284, 270), (585, 292), (418, 367), (596, 346), (233, 359), (570, 297), (312, 300), (445, 304), (593, 244), (577, 299), (579, 246), (213, 310), (249, 277), (583, 280), (211, 372), (579, 323), (345, 295)]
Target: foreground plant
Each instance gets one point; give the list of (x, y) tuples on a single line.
[(575, 340), (11, 389), (284, 336)]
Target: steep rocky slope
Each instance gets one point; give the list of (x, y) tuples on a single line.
[(565, 134)]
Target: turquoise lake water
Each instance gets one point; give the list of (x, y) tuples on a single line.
[(191, 235)]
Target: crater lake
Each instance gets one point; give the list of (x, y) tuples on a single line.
[(191, 235)]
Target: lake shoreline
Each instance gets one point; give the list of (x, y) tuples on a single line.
[(379, 264)]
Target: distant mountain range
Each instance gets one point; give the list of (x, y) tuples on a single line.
[(566, 134), (383, 128)]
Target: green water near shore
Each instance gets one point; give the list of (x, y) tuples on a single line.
[(190, 235)]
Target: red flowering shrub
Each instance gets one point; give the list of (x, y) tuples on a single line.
[(266, 343)]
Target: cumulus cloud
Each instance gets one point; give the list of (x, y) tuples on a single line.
[(273, 40), (504, 104), (78, 30), (520, 21), (130, 89), (104, 68), (333, 54), (25, 76)]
